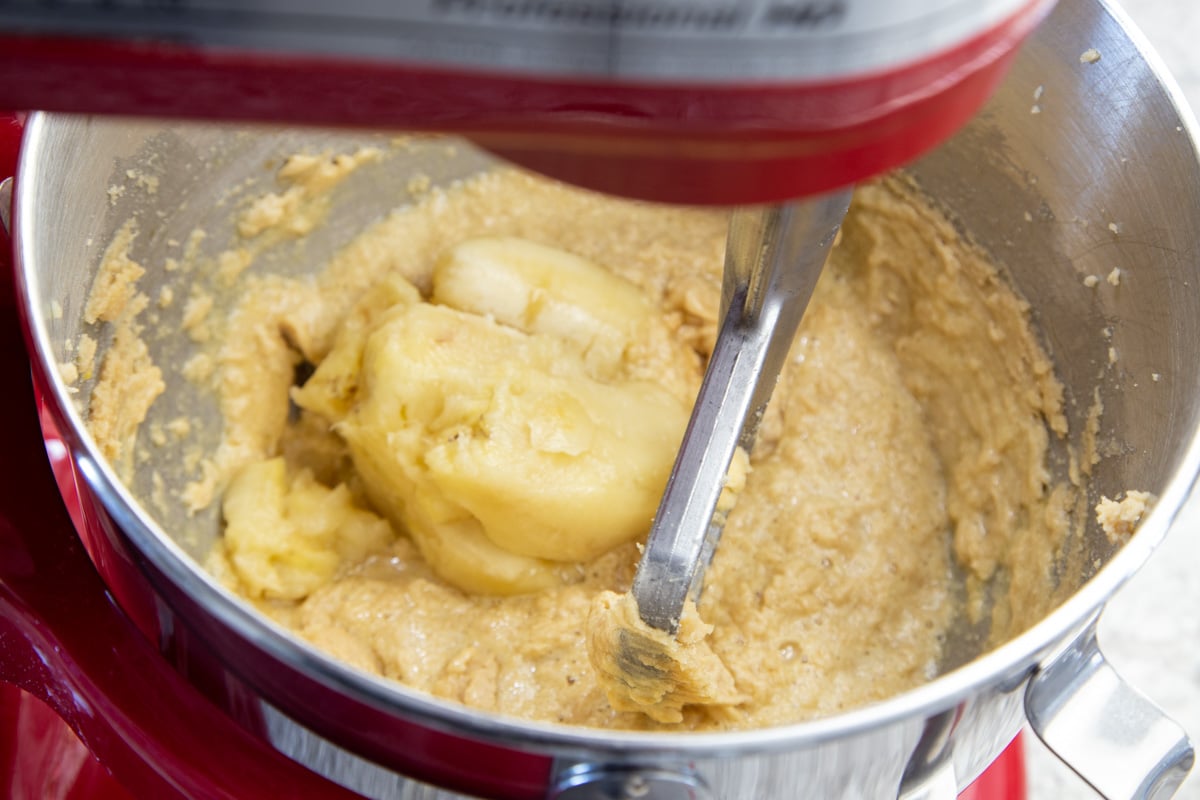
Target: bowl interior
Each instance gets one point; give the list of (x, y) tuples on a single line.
[(1074, 169)]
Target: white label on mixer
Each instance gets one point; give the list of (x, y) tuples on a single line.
[(710, 41)]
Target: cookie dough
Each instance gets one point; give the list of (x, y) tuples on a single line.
[(899, 488)]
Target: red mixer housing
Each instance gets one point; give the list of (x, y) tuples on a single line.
[(755, 133)]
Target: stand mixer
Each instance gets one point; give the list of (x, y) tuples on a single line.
[(741, 104)]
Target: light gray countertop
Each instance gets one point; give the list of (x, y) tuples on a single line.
[(1151, 629)]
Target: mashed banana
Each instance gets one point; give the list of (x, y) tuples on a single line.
[(500, 376), (513, 423)]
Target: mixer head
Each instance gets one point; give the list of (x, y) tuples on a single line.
[(712, 102)]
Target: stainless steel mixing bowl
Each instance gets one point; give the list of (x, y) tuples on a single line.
[(1077, 166)]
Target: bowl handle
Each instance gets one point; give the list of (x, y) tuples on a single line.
[(1109, 733)]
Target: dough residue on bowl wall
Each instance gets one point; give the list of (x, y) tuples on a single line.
[(129, 382), (900, 487)]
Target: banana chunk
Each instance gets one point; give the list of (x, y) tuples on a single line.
[(505, 425), (285, 538), (509, 428), (543, 290), (332, 389)]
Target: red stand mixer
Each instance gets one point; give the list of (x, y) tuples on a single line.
[(698, 103)]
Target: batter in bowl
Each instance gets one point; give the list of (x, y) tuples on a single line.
[(435, 458)]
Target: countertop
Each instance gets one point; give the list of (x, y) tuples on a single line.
[(1151, 629)]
